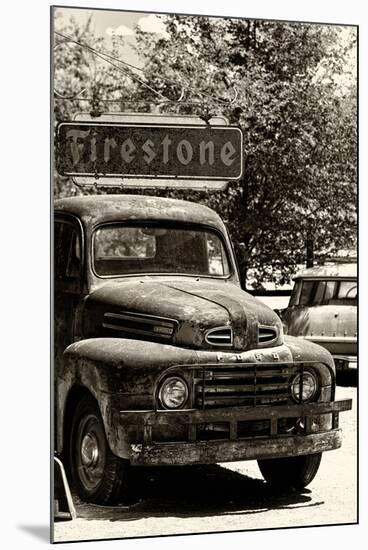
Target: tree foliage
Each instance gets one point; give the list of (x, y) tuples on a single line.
[(296, 104)]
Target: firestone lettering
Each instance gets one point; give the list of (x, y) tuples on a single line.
[(76, 139), (184, 152)]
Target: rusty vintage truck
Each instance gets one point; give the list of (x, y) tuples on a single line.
[(162, 359)]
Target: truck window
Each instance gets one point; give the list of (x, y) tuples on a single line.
[(306, 293), (324, 291), (347, 291), (328, 292), (66, 252), (123, 249)]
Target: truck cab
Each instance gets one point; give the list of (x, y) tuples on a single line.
[(161, 358)]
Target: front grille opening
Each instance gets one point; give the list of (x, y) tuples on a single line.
[(287, 425), (168, 434), (266, 334), (246, 386), (213, 431), (253, 428), (222, 336)]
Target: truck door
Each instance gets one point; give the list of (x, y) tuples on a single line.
[(68, 283)]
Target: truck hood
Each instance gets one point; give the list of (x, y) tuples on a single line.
[(182, 312)]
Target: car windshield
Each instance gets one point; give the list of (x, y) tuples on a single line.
[(151, 248), (328, 292)]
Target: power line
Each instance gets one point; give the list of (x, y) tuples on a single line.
[(120, 69), (108, 56)]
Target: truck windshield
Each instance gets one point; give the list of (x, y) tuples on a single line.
[(329, 292), (135, 249)]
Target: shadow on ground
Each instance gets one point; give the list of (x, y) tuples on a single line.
[(193, 491)]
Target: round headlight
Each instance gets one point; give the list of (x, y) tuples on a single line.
[(308, 385), (173, 393)]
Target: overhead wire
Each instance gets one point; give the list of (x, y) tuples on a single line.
[(120, 69), (107, 57)]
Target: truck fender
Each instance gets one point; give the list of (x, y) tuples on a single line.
[(99, 366)]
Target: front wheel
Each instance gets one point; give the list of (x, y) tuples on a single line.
[(291, 473), (98, 475)]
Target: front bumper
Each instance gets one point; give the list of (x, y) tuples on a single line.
[(311, 436)]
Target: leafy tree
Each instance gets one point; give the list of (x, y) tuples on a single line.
[(299, 127), (295, 101)]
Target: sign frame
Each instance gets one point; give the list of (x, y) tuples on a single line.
[(153, 177)]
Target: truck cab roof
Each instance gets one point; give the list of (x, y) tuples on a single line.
[(95, 209), (345, 270)]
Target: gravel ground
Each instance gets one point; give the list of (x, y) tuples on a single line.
[(226, 497)]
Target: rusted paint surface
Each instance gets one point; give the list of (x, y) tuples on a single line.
[(210, 452), (303, 350), (118, 374), (197, 306), (119, 353), (123, 376), (334, 327), (140, 418), (123, 370), (101, 208)]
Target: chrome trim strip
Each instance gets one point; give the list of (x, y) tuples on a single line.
[(332, 339), (209, 334), (274, 329)]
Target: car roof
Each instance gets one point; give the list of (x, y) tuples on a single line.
[(94, 209), (338, 270)]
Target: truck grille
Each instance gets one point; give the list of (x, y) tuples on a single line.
[(246, 385)]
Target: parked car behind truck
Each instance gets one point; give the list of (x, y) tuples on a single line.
[(161, 358), (323, 309)]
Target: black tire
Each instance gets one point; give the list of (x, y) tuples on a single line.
[(292, 473), (98, 475)]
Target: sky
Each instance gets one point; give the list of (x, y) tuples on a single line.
[(108, 23)]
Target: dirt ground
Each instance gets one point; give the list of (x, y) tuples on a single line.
[(226, 497)]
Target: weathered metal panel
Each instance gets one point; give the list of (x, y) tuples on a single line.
[(183, 416), (210, 452), (95, 209), (196, 305)]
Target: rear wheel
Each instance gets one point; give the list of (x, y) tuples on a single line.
[(291, 473), (98, 475)]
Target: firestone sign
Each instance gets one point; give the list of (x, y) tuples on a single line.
[(149, 151)]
